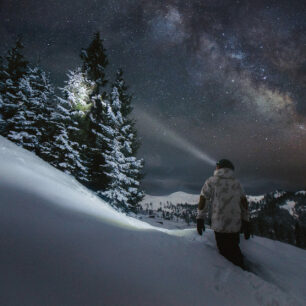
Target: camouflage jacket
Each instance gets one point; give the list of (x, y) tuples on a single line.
[(224, 192)]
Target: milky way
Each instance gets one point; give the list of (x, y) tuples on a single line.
[(227, 77)]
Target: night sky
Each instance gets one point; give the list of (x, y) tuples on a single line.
[(221, 78)]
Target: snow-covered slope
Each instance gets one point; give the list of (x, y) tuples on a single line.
[(255, 199), (174, 198), (61, 245)]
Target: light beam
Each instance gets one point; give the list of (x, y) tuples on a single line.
[(169, 136)]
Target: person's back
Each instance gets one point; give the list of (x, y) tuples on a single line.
[(228, 211)]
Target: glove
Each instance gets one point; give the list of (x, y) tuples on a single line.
[(246, 229), (200, 226)]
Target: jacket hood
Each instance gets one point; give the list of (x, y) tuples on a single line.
[(224, 173)]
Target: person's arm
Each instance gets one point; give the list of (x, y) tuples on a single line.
[(201, 215), (202, 207)]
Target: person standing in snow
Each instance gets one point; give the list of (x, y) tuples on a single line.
[(229, 211)]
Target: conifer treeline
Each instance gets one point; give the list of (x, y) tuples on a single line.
[(86, 131)]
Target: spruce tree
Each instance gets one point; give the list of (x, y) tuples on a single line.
[(94, 64), (2, 75), (16, 67), (129, 134), (74, 106), (126, 109), (123, 168), (29, 126), (64, 152), (117, 164), (2, 82), (78, 90), (98, 142)]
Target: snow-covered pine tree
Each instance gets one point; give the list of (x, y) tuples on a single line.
[(116, 163), (78, 90), (17, 65), (15, 68), (123, 168), (2, 75), (129, 134), (1, 67), (74, 105), (99, 136), (94, 64), (2, 80), (116, 194), (29, 126), (126, 109), (64, 152)]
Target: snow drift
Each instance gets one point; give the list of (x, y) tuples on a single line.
[(62, 245)]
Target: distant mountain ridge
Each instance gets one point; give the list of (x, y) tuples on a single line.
[(178, 197), (279, 215), (181, 197)]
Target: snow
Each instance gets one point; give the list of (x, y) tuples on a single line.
[(62, 245), (277, 194), (289, 206), (174, 198), (77, 88), (255, 199), (302, 192), (46, 181)]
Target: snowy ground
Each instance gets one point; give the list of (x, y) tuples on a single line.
[(61, 245), (166, 224)]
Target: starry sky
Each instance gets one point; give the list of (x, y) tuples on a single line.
[(211, 79)]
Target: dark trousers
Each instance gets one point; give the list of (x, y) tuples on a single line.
[(228, 245)]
